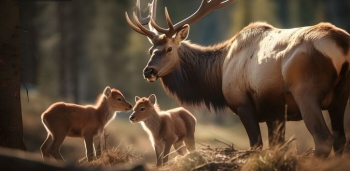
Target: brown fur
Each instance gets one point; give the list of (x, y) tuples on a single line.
[(165, 128), (66, 119), (263, 74)]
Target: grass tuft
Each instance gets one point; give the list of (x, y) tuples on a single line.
[(113, 157)]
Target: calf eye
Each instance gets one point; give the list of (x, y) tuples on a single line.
[(119, 99), (169, 49), (142, 109)]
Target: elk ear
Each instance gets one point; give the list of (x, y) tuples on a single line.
[(107, 92), (153, 99), (182, 34), (137, 98)]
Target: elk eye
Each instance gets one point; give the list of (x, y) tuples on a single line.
[(119, 99), (142, 109), (169, 49)]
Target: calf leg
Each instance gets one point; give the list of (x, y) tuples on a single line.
[(190, 143), (167, 147), (276, 132), (59, 130), (159, 149), (89, 146), (97, 145), (55, 148), (180, 148), (250, 122), (45, 148)]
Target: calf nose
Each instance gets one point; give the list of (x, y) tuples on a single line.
[(131, 117), (130, 106)]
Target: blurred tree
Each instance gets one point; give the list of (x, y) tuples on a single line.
[(11, 127), (339, 13), (71, 34)]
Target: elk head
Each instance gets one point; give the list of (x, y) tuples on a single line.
[(166, 42)]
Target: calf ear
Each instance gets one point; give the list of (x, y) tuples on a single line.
[(182, 34), (137, 98), (107, 92), (153, 99)]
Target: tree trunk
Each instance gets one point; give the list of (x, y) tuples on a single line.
[(11, 126)]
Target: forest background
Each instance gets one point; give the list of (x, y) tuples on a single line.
[(72, 50)]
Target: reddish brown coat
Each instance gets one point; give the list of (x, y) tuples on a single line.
[(66, 119), (165, 128)]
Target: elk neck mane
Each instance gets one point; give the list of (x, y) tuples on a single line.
[(198, 78)]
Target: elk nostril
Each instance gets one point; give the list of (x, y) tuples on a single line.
[(130, 106), (148, 71), (132, 117)]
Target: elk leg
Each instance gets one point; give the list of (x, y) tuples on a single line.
[(45, 148), (337, 130), (315, 123), (337, 112), (346, 151), (180, 148), (250, 122), (89, 146), (276, 132)]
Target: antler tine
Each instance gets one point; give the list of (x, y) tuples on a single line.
[(133, 26), (170, 24), (205, 8), (224, 4), (143, 21), (153, 9), (168, 32), (149, 33)]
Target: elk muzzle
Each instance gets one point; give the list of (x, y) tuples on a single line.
[(150, 73)]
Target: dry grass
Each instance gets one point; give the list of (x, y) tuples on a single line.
[(283, 158), (120, 155)]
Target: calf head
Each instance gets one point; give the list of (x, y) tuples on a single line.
[(143, 108), (116, 100)]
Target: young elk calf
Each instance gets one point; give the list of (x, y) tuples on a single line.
[(88, 122), (165, 128)]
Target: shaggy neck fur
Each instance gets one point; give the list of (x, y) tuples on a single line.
[(104, 113), (198, 78)]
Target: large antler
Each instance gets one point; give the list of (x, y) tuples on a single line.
[(143, 21), (206, 7)]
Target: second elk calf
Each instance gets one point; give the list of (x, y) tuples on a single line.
[(66, 119), (173, 127)]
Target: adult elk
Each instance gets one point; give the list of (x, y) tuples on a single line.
[(259, 73)]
